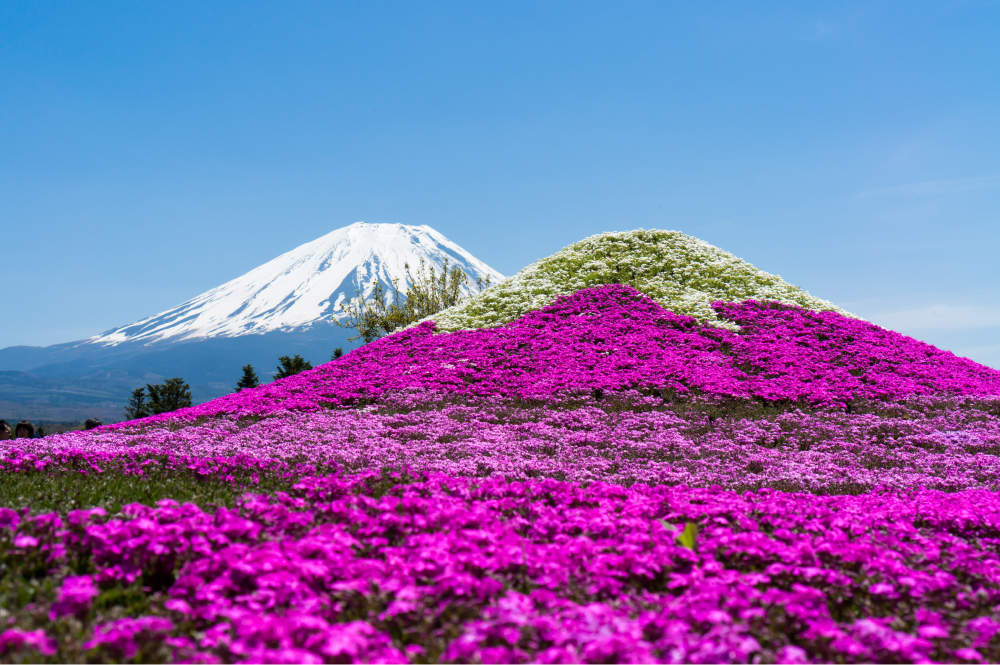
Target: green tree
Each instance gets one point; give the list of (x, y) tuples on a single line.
[(428, 294), (337, 352), (249, 379), (291, 366), (136, 407), (170, 395)]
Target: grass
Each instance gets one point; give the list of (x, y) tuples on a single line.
[(64, 491)]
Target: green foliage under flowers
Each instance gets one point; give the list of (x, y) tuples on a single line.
[(68, 489), (684, 274)]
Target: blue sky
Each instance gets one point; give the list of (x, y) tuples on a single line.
[(151, 151)]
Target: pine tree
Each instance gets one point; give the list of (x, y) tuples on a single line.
[(337, 352), (292, 366), (170, 395), (249, 379), (136, 407)]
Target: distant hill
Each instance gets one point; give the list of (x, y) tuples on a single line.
[(283, 307)]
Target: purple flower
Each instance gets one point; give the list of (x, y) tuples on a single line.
[(74, 597), (14, 639), (122, 638), (25, 541), (9, 518)]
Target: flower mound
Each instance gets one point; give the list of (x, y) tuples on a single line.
[(613, 338), (569, 487), (682, 273)]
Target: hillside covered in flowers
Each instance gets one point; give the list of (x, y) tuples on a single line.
[(599, 478)]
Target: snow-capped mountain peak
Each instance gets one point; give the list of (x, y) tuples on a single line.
[(303, 286)]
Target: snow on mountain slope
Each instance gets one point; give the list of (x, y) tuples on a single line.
[(303, 286)]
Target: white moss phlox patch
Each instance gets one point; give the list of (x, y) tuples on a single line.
[(684, 274)]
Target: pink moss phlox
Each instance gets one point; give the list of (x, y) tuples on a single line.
[(613, 338), (75, 596), (550, 570), (929, 442), (14, 640)]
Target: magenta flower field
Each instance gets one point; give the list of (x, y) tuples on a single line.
[(598, 481), (614, 339)]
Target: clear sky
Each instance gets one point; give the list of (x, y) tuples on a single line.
[(151, 151)]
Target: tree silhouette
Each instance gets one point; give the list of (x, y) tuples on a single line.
[(249, 379), (170, 395), (136, 407), (291, 366)]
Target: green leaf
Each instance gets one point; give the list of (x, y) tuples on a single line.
[(689, 537), (668, 526)]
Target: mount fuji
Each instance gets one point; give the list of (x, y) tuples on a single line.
[(305, 286), (286, 306)]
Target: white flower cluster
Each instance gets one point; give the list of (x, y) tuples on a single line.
[(684, 274)]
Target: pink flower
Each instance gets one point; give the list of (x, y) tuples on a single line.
[(74, 597), (122, 638), (34, 639), (24, 541)]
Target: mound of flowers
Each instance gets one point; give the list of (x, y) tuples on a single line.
[(601, 480), (612, 339), (682, 273)]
